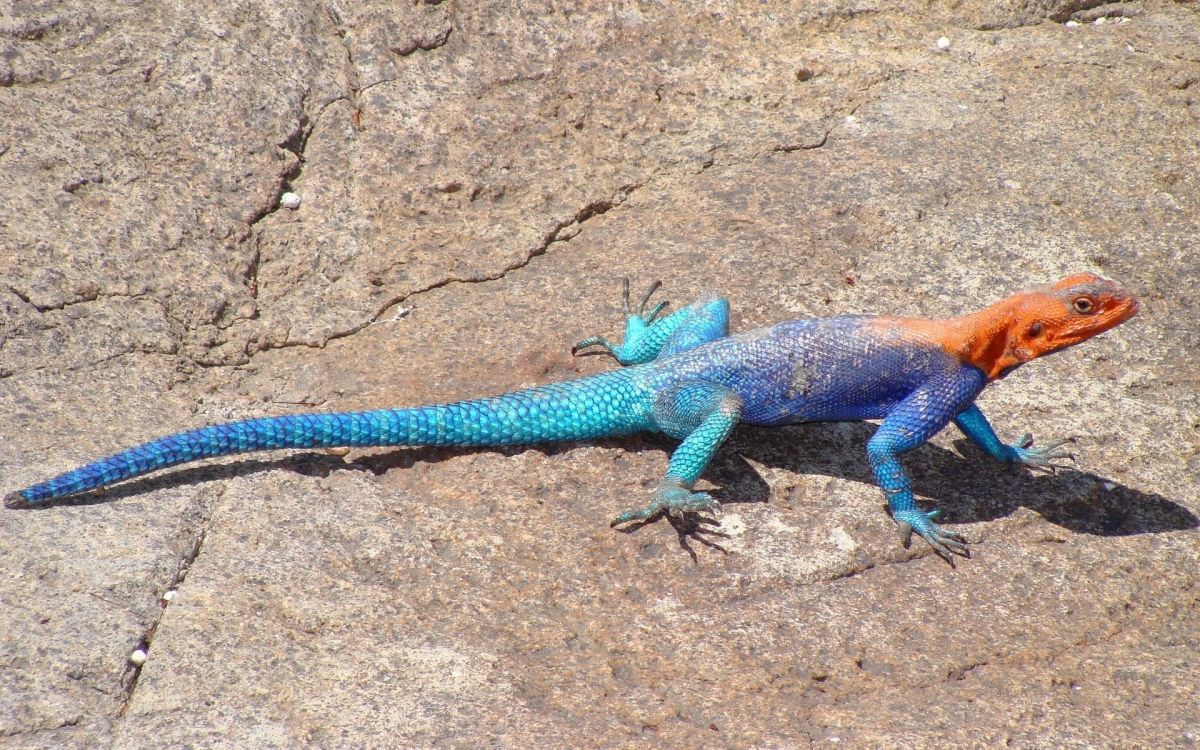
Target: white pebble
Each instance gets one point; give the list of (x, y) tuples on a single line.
[(137, 658), (169, 596), (943, 43), (1109, 486), (1100, 21), (1071, 24), (290, 200)]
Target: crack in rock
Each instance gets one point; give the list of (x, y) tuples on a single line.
[(820, 143), (73, 721), (355, 76), (296, 143), (424, 43), (563, 231), (185, 565), (91, 295)]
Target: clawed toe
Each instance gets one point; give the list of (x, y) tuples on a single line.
[(592, 341), (641, 308), (637, 323), (637, 514), (675, 500), (1048, 458), (653, 314), (697, 502), (640, 311), (945, 543)]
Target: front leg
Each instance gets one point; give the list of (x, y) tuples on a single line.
[(648, 337), (702, 415), (975, 426), (918, 417)]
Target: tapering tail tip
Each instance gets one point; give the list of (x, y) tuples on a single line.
[(15, 500)]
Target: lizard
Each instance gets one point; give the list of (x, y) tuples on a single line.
[(684, 375)]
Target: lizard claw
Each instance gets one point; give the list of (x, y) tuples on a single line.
[(1045, 459), (640, 312), (673, 498), (637, 323), (945, 543), (593, 341), (653, 314), (654, 286)]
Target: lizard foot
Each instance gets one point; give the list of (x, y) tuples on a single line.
[(943, 541), (1047, 459), (672, 498), (637, 323), (646, 317)]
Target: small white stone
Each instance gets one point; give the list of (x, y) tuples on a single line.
[(290, 200), (1109, 486), (137, 658), (943, 43), (1100, 21), (169, 596), (1129, 48), (1071, 24)]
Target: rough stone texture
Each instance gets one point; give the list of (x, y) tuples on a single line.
[(475, 179)]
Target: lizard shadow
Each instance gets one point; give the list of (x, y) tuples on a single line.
[(308, 464), (967, 488), (315, 463)]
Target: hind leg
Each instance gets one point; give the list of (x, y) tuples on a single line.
[(701, 415)]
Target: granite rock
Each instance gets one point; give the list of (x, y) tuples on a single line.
[(474, 182)]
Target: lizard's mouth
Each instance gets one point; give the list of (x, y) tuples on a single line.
[(1123, 311)]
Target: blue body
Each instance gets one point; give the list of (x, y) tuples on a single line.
[(684, 377), (824, 369)]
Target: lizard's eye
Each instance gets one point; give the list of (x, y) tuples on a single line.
[(1035, 330), (1083, 305)]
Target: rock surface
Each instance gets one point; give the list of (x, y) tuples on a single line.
[(473, 183)]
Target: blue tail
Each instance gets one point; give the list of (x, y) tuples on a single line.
[(607, 404)]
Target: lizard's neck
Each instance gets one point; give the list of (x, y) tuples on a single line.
[(988, 339)]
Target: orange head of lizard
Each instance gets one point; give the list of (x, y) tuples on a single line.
[(1050, 319)]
